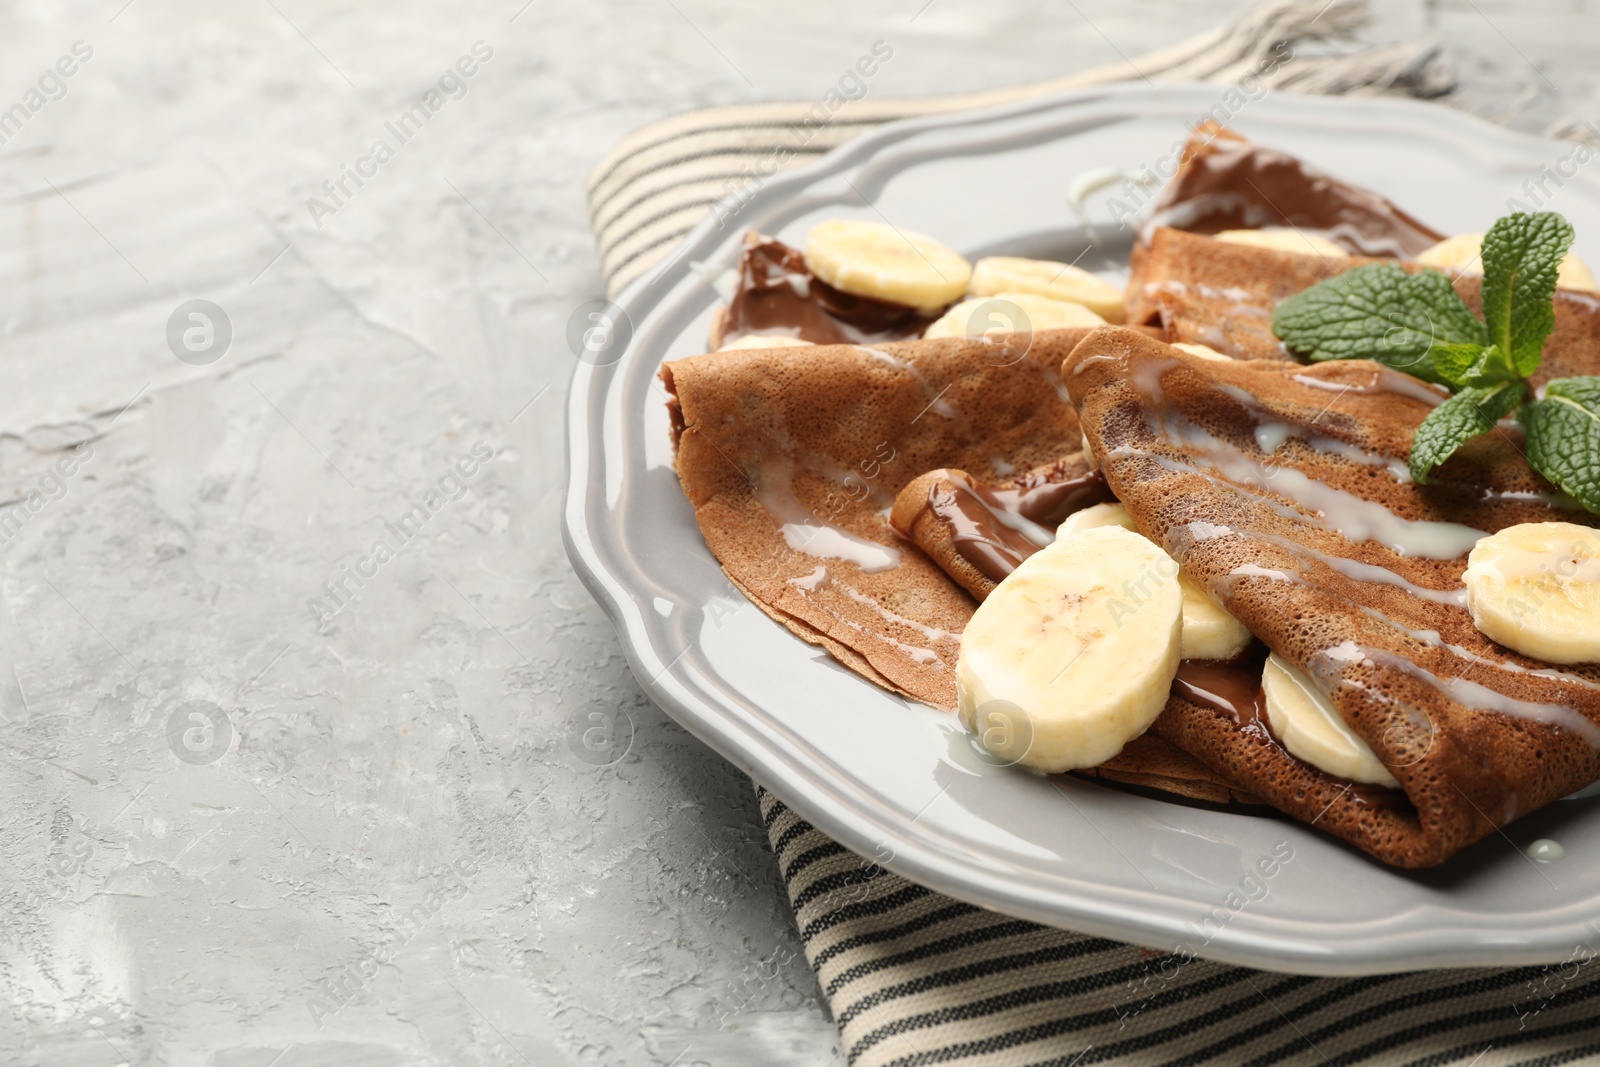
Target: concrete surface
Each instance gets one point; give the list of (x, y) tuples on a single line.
[(268, 795)]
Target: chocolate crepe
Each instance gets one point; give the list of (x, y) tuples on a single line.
[(775, 292), (1282, 490), (792, 458), (1222, 294), (1225, 182)]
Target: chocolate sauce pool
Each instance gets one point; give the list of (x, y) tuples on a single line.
[(777, 293), (1233, 184)]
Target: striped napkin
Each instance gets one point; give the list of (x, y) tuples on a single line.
[(912, 977)]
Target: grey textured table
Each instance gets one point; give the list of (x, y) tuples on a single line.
[(270, 794)]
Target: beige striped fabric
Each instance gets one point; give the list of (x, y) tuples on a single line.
[(916, 978), (655, 186)]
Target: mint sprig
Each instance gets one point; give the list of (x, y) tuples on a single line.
[(1564, 436), (1415, 321), (1521, 257), (1380, 312), (1469, 413)]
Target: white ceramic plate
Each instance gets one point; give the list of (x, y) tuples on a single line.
[(896, 781)]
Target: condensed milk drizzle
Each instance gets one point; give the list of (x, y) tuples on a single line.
[(1469, 694), (1352, 516), (809, 533)]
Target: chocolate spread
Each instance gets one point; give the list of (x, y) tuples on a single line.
[(1234, 184), (1234, 688), (777, 293), (977, 516)]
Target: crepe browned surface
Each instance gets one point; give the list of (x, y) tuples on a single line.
[(1152, 762), (1204, 291), (1218, 293), (827, 436), (1474, 735)]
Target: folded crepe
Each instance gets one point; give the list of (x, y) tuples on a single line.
[(793, 457), (1226, 182), (1204, 291), (1282, 490)]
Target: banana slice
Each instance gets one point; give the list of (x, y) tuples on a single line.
[(1462, 254), (1011, 313), (1203, 351), (871, 259), (763, 340), (1455, 254), (1536, 588), (1098, 515), (1043, 277), (1209, 632), (1078, 646), (1305, 722), (1285, 239)]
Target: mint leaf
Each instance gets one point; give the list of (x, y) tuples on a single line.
[(1564, 437), (1379, 312), (1455, 362), (1471, 412), (1522, 254)]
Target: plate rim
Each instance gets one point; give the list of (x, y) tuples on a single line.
[(1264, 941)]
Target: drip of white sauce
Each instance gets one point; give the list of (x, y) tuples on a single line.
[(1466, 693), (1436, 639), (1385, 380), (1086, 363), (805, 532), (1559, 501), (1242, 297), (810, 583), (1545, 850), (830, 542), (1252, 570), (1182, 216), (1093, 180), (1270, 436), (1356, 454), (1200, 530), (1348, 514), (925, 657), (800, 284), (1368, 572), (932, 633), (936, 401)]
